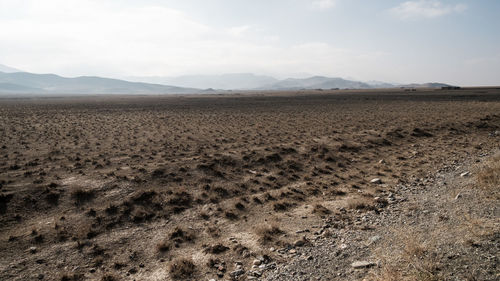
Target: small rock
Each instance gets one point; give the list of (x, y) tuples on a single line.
[(465, 174), (272, 249), (376, 181), (32, 250), (375, 238), (362, 264), (459, 195), (237, 272), (301, 242), (292, 251), (212, 279), (256, 262)]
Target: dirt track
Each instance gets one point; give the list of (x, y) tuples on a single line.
[(125, 186)]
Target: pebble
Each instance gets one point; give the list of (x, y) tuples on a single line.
[(465, 174), (33, 250), (376, 181), (256, 262), (362, 264), (375, 238), (237, 272)]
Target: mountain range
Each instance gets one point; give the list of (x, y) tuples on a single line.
[(249, 81), (29, 83), (13, 81)]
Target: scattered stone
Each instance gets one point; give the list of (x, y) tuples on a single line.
[(362, 264), (459, 195), (301, 242), (292, 251), (33, 250), (256, 262), (465, 174), (376, 181), (237, 273), (255, 273), (375, 238)]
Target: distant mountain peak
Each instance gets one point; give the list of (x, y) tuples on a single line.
[(8, 69)]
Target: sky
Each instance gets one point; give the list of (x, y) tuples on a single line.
[(448, 41)]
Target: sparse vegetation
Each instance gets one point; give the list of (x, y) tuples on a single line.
[(268, 233), (489, 175), (201, 173), (182, 269)]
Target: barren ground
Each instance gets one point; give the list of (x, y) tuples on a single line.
[(202, 187)]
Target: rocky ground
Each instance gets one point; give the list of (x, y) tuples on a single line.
[(285, 186), (441, 227)]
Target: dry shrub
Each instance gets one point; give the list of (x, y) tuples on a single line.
[(360, 203), (176, 238), (268, 233), (110, 277), (82, 195), (387, 273), (72, 277), (489, 176), (478, 227), (281, 206), (216, 249), (409, 256), (182, 269), (321, 210)]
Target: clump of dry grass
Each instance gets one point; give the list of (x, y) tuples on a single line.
[(360, 203), (176, 238), (268, 233), (321, 210), (411, 256), (110, 277), (488, 177), (182, 269), (82, 195)]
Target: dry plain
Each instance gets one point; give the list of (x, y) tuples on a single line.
[(203, 186)]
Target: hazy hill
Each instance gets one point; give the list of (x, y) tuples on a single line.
[(23, 82), (8, 69), (316, 82), (231, 81), (425, 85)]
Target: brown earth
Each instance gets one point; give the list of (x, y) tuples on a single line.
[(201, 187)]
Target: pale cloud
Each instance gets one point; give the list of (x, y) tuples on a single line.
[(90, 37), (425, 9), (323, 4)]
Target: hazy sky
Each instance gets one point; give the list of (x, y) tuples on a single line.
[(395, 41)]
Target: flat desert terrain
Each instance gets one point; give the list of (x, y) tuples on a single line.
[(243, 186)]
